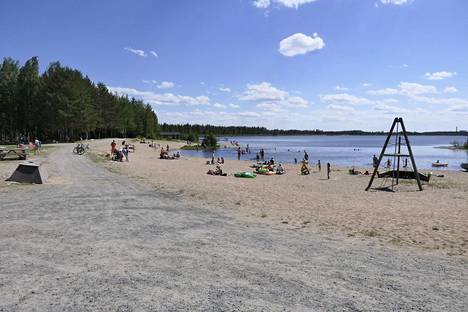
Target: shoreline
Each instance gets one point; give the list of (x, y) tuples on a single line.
[(433, 219)]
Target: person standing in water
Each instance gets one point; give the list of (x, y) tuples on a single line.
[(328, 170), (238, 153), (375, 161), (319, 165), (306, 156)]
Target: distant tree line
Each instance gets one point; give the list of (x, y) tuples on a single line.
[(63, 104), (189, 131)]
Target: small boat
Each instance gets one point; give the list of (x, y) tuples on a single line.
[(464, 166), (439, 164)]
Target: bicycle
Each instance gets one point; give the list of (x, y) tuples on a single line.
[(80, 149)]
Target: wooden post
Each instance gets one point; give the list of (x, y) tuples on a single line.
[(410, 152), (398, 160)]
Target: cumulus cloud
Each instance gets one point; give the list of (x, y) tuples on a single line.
[(340, 88), (136, 51), (341, 108), (439, 75), (265, 93), (162, 98), (405, 88), (263, 4), (224, 89), (396, 2), (153, 53), (271, 107), (234, 106), (166, 85), (219, 105), (299, 44), (409, 88), (450, 90), (366, 84), (344, 99)]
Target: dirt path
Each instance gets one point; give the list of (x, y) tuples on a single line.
[(94, 241)]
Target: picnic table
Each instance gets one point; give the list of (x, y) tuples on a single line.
[(16, 151)]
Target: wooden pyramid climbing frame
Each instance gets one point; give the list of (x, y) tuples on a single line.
[(396, 173)]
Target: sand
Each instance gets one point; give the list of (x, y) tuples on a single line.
[(435, 218), (98, 241)]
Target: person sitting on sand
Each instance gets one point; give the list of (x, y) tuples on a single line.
[(280, 169), (272, 161), (222, 160), (163, 154), (217, 172), (304, 169)]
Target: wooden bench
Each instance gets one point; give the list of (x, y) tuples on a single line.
[(18, 152)]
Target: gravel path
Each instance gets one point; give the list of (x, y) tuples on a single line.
[(94, 241)]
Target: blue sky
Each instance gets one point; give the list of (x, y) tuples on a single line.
[(305, 64)]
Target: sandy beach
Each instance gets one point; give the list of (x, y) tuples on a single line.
[(434, 219)]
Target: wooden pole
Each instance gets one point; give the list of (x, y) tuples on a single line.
[(410, 152), (398, 160)]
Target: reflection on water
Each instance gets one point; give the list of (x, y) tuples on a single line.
[(340, 150)]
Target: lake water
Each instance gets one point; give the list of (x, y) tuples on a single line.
[(346, 150)]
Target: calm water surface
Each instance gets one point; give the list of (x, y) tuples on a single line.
[(346, 150)]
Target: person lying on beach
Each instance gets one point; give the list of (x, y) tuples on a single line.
[(217, 172), (280, 169), (353, 171), (304, 169)]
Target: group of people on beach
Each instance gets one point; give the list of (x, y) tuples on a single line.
[(33, 145), (164, 154), (118, 154)]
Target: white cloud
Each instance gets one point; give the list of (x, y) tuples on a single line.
[(263, 4), (296, 101), (389, 109), (166, 85), (450, 90), (299, 44), (366, 84), (411, 89), (162, 98), (136, 51), (344, 99), (219, 105), (263, 92), (396, 2), (340, 88), (439, 75), (386, 91), (341, 108), (267, 94), (405, 88), (234, 106), (270, 107), (153, 53), (224, 89)]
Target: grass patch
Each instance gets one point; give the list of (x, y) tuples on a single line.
[(198, 147)]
